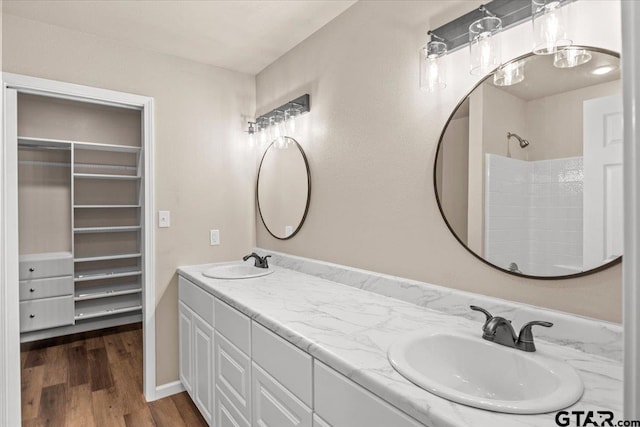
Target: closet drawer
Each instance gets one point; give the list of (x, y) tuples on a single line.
[(45, 265), (46, 313), (274, 405), (45, 288), (235, 326), (288, 365), (196, 299), (226, 414)]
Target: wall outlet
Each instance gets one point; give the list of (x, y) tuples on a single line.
[(164, 219), (288, 230), (214, 237)]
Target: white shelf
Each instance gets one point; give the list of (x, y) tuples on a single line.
[(106, 291), (107, 257), (106, 273), (119, 229), (106, 206), (105, 176), (25, 141), (105, 147), (107, 312)]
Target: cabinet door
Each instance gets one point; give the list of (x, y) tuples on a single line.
[(203, 367), (226, 414), (319, 422), (184, 330)]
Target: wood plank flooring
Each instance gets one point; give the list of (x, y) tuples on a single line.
[(95, 380)]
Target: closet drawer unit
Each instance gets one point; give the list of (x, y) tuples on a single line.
[(46, 313), (196, 299), (235, 326), (274, 405), (45, 288), (290, 366), (45, 265)]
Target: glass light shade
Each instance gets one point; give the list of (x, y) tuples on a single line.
[(432, 75), (550, 21), (509, 74), (290, 121), (263, 136), (274, 128), (252, 140), (571, 57), (484, 45)]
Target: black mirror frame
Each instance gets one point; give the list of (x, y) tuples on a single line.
[(435, 184), (306, 208)]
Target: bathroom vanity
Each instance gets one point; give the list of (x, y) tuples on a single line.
[(292, 349)]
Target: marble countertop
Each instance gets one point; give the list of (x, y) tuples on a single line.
[(351, 330)]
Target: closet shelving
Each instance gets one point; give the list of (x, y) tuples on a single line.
[(106, 232)]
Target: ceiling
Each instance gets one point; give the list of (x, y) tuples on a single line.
[(244, 36)]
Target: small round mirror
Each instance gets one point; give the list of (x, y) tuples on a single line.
[(283, 188)]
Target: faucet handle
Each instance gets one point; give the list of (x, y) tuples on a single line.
[(525, 338), (482, 310)]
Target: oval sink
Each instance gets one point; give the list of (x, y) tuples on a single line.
[(236, 271), (474, 372)]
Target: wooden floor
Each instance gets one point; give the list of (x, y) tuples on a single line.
[(95, 380)]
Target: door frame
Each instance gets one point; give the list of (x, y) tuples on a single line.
[(10, 406), (631, 264)]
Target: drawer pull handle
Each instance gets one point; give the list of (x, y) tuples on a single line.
[(31, 316), (31, 269), (32, 290)]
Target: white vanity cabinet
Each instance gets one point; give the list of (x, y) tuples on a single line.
[(256, 378), (197, 345)]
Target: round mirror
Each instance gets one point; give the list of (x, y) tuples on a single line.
[(284, 188), (528, 171)]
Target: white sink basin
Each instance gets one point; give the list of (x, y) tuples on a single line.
[(236, 271), (475, 372)]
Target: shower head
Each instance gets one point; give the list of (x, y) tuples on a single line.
[(523, 142)]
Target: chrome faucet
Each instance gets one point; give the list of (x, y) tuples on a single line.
[(261, 262), (499, 330)]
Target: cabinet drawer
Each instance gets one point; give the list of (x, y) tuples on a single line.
[(342, 403), (45, 265), (46, 313), (45, 288), (235, 326), (233, 374), (274, 405), (289, 365), (226, 414), (197, 299)]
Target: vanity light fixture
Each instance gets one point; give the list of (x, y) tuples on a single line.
[(252, 134), (480, 29), (550, 21), (571, 57), (281, 121), (484, 45)]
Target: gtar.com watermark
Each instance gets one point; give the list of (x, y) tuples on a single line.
[(592, 419)]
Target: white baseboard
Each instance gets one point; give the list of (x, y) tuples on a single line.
[(169, 389)]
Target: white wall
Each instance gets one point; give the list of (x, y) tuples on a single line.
[(371, 137), (204, 175)]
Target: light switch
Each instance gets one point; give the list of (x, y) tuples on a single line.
[(214, 237), (164, 219), (288, 230)]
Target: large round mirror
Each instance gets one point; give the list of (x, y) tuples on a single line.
[(528, 172), (284, 188)]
